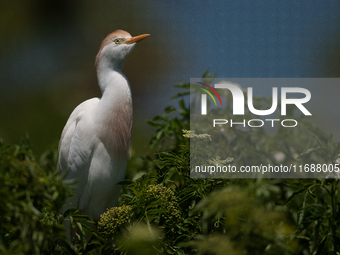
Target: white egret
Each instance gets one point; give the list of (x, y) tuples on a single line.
[(94, 144)]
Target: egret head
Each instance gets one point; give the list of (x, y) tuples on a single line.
[(115, 47)]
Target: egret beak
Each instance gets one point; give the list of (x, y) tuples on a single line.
[(136, 38)]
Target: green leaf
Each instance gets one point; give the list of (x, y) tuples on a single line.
[(321, 245), (125, 182), (83, 218), (182, 85), (309, 151), (295, 193), (70, 211), (91, 247), (182, 104), (170, 109)]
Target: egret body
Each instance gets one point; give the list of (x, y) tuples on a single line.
[(94, 144)]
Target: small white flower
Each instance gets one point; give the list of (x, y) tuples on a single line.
[(218, 161), (191, 134)]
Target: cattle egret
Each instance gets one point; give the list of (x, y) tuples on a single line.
[(94, 144)]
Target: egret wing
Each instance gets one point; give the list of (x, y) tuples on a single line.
[(76, 147)]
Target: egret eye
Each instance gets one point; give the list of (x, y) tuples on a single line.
[(118, 41)]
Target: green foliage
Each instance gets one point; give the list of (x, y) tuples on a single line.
[(31, 197), (244, 221), (164, 211), (316, 203)]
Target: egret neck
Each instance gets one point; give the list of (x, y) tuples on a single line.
[(114, 110)]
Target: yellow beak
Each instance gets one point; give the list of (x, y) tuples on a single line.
[(136, 38)]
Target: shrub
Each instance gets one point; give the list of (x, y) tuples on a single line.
[(31, 198)]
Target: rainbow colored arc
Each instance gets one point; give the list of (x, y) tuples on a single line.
[(213, 90)]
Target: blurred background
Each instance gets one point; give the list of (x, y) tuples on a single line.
[(48, 48)]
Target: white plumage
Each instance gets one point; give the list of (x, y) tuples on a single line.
[(95, 141)]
